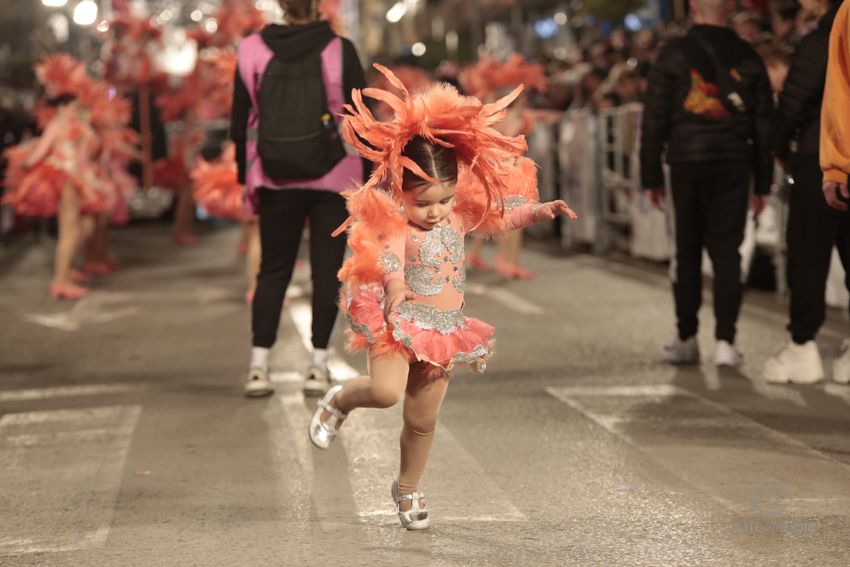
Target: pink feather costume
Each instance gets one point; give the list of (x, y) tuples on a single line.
[(496, 192)]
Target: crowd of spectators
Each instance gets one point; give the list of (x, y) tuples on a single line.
[(609, 72)]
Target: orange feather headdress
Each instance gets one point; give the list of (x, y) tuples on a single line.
[(489, 76), (442, 116), (61, 74)]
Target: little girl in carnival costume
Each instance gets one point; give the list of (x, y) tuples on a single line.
[(441, 171)]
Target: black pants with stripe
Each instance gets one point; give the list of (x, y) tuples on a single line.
[(813, 229), (282, 217), (710, 201)]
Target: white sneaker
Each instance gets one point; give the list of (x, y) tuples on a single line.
[(317, 382), (727, 355), (796, 364), (258, 384), (841, 366), (681, 352)]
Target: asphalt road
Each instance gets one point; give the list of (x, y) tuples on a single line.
[(124, 438)]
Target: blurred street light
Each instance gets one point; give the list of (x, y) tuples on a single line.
[(54, 3), (418, 49), (85, 13), (396, 13)]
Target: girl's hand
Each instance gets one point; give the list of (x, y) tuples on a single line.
[(397, 293), (548, 211)]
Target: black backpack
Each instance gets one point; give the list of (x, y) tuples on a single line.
[(297, 136)]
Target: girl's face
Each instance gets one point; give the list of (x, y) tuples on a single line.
[(428, 205)]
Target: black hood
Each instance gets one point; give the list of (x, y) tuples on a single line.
[(296, 42), (826, 22)]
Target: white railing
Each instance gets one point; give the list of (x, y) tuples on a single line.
[(598, 165)]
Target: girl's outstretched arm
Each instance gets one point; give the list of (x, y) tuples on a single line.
[(531, 213), (48, 138)]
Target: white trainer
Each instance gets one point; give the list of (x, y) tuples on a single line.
[(727, 355), (258, 384), (681, 352), (841, 366), (317, 382), (795, 364)]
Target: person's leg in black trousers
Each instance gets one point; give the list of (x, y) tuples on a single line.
[(725, 196), (812, 231), (282, 215), (841, 367), (327, 213), (811, 234), (687, 263), (687, 273)]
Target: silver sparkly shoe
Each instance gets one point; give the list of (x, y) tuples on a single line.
[(417, 517), (322, 433)]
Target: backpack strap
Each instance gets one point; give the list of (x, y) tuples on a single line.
[(254, 56), (332, 73)]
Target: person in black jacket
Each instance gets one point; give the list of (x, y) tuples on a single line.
[(716, 147), (284, 205), (813, 226)]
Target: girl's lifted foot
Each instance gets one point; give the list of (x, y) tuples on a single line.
[(97, 269), (476, 262), (184, 239), (77, 276), (326, 421), (521, 273), (512, 271), (414, 516), (68, 291), (112, 263)]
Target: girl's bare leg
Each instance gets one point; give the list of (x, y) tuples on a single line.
[(254, 254), (509, 248), (245, 236), (184, 214), (383, 388), (101, 239), (70, 234), (87, 234), (473, 255), (422, 402)]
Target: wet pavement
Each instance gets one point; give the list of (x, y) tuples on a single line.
[(124, 438)]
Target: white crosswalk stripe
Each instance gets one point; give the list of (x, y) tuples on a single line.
[(457, 485), (668, 424), (70, 392), (69, 508)]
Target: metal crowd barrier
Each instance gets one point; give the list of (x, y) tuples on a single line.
[(598, 173)]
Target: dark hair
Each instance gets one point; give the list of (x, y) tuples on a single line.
[(60, 100), (437, 161), (300, 9)]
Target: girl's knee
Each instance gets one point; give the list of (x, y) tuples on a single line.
[(386, 396), (420, 425)]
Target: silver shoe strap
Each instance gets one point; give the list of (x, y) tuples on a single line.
[(412, 496), (331, 410)]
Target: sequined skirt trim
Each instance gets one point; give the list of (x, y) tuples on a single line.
[(421, 332)]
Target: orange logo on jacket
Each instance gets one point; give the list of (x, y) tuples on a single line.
[(704, 98)]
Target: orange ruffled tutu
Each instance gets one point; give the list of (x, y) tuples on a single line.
[(423, 333)]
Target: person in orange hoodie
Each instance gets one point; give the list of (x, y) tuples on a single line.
[(835, 118), (835, 150)]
